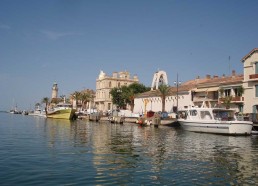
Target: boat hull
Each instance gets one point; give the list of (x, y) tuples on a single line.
[(62, 114), (230, 128)]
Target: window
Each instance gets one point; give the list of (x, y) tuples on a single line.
[(205, 115), (227, 92), (193, 112), (236, 92), (256, 90), (256, 67), (240, 108), (216, 95), (110, 84)]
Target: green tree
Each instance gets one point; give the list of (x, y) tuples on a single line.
[(85, 98), (132, 91), (126, 94), (164, 91), (221, 91), (240, 90), (63, 98), (46, 101), (76, 96), (117, 97), (227, 101)]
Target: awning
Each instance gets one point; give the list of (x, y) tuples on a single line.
[(211, 89)]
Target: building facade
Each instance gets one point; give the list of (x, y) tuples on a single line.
[(250, 81), (211, 91), (104, 84)]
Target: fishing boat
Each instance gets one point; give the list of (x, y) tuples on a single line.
[(38, 112), (213, 120), (62, 111)]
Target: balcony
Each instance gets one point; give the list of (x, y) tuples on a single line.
[(234, 99), (237, 98), (253, 77), (204, 98)]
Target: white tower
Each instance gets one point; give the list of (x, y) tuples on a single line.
[(54, 91), (159, 78)]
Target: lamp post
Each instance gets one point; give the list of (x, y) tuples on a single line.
[(177, 83)]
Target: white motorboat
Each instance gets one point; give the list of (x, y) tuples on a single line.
[(214, 120), (38, 112)]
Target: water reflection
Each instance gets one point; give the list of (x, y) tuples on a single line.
[(125, 152)]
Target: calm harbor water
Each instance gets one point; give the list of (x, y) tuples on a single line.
[(39, 151)]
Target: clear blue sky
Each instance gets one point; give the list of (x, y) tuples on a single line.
[(70, 41)]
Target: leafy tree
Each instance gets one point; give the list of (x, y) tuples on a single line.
[(117, 97), (126, 94), (138, 88), (164, 91)]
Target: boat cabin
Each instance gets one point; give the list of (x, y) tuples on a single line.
[(63, 106), (207, 114)]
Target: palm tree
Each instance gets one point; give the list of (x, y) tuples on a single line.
[(63, 98), (227, 101), (164, 91), (85, 98), (131, 96), (240, 90), (132, 91), (46, 101), (76, 95), (221, 91)]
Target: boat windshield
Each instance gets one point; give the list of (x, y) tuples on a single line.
[(64, 105), (224, 115), (205, 115)]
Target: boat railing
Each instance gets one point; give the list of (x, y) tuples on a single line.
[(240, 118)]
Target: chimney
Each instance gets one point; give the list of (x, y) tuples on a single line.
[(208, 76), (233, 73), (198, 77), (115, 74)]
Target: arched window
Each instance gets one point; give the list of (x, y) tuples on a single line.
[(110, 84)]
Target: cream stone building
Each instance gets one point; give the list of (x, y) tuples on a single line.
[(250, 82), (104, 84)]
